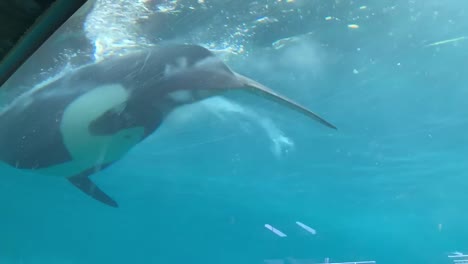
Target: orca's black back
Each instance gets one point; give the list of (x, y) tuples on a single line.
[(30, 136)]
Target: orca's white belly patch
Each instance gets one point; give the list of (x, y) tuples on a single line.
[(88, 150)]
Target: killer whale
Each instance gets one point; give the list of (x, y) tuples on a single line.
[(92, 116)]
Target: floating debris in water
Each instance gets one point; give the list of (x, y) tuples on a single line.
[(307, 228), (266, 20), (168, 7), (442, 42), (458, 257), (456, 254), (276, 231), (363, 7), (281, 43), (227, 50), (304, 261), (328, 18), (353, 26)]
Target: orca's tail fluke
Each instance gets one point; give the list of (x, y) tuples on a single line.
[(262, 90)]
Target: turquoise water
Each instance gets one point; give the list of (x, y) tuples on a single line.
[(389, 185)]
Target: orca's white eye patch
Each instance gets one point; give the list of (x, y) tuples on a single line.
[(181, 96), (181, 64), (208, 62)]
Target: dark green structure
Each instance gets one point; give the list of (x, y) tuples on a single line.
[(25, 25)]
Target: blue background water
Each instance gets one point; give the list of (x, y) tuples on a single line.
[(390, 185)]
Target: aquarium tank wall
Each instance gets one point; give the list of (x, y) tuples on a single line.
[(235, 131)]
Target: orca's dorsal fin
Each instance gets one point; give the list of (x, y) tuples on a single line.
[(84, 183)]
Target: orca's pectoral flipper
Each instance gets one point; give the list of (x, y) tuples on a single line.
[(84, 183)]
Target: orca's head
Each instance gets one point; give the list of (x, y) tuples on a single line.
[(193, 73)]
